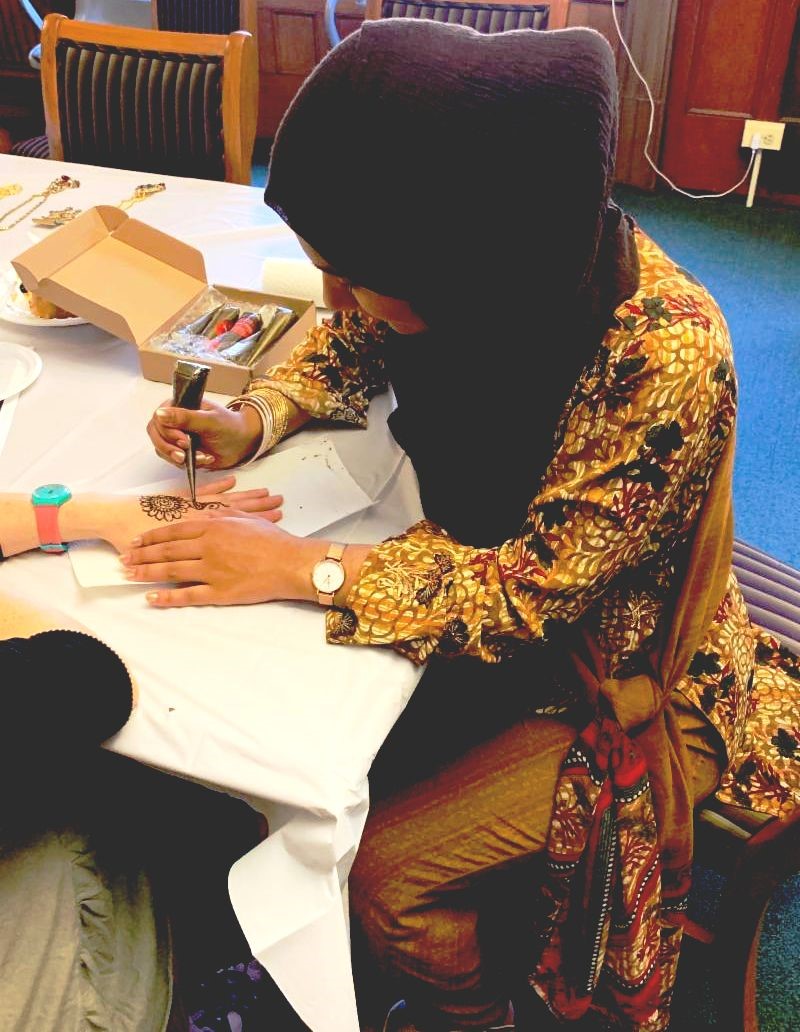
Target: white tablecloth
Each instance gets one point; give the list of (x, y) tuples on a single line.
[(250, 700)]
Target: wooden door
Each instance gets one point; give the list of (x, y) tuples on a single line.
[(732, 60)]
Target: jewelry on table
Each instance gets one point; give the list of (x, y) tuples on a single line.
[(141, 193), (9, 189), (58, 218), (37, 200)]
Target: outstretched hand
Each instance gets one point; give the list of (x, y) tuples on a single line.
[(124, 517), (225, 561)]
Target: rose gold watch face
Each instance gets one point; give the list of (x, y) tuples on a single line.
[(328, 576)]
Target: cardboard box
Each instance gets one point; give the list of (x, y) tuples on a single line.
[(136, 282)]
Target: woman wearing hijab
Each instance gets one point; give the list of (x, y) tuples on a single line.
[(567, 397)]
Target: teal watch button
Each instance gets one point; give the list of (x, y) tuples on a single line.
[(51, 494)]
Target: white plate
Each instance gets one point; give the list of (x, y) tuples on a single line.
[(14, 310), (19, 367)]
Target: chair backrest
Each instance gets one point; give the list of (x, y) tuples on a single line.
[(221, 16), (177, 103), (771, 589), (485, 17)]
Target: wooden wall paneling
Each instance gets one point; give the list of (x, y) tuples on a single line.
[(349, 16), (17, 35), (288, 48), (21, 112), (559, 13), (650, 34), (595, 14), (292, 41), (648, 29)]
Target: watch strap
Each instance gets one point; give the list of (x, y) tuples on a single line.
[(335, 552), (47, 528)]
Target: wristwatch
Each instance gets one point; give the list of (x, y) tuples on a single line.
[(46, 501), (328, 575)]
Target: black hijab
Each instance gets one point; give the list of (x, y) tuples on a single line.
[(470, 175)]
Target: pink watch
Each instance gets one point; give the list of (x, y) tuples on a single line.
[(46, 501)]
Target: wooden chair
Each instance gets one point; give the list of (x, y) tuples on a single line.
[(166, 102), (755, 853), (221, 16), (487, 16)]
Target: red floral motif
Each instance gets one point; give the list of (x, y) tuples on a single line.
[(684, 306)]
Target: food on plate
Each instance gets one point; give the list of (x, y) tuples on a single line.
[(42, 308)]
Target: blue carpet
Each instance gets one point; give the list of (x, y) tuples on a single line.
[(779, 961), (750, 261), (778, 994)]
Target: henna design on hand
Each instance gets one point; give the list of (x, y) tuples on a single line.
[(172, 507)]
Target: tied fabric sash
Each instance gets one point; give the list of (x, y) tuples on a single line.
[(605, 943), (619, 846)]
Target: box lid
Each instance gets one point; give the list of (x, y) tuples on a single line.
[(118, 273)]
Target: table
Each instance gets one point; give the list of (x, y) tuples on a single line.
[(271, 713)]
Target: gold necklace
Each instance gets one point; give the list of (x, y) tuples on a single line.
[(141, 193), (58, 218), (62, 183), (10, 189)]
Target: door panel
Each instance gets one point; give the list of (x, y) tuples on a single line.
[(730, 60), (725, 76)]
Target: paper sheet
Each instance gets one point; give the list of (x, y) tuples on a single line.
[(317, 488)]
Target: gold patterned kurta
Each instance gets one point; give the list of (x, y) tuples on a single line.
[(633, 453)]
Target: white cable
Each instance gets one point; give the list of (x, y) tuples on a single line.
[(32, 13), (650, 162)]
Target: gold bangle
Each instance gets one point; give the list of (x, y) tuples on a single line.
[(278, 406)]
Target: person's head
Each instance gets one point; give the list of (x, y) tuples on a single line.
[(339, 293), (444, 176)]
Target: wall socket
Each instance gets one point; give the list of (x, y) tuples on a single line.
[(771, 133)]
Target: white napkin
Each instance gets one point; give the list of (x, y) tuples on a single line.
[(293, 277), (317, 488)]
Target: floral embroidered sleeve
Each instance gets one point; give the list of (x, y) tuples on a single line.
[(334, 372), (637, 444)]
